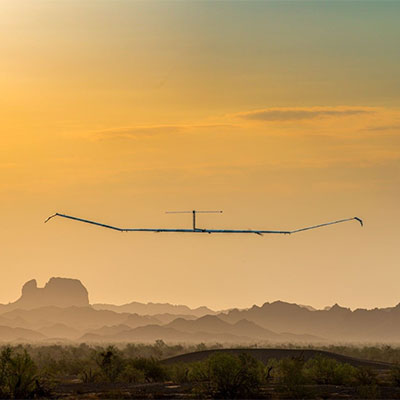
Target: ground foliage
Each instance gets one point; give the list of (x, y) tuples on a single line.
[(228, 377), (19, 377), (33, 371)]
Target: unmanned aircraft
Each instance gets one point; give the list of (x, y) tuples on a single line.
[(195, 229)]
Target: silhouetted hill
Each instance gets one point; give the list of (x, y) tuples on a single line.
[(110, 330), (60, 331), (167, 318), (8, 334), (250, 329), (13, 322), (335, 323), (156, 308), (135, 320), (208, 323), (243, 330)]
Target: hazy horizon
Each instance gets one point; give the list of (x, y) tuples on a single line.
[(283, 114), (193, 306)]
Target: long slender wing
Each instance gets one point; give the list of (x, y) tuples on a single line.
[(115, 227), (257, 232), (329, 223), (83, 220)]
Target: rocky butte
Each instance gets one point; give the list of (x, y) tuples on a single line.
[(59, 292)]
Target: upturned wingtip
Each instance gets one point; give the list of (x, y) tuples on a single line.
[(359, 220), (51, 216)]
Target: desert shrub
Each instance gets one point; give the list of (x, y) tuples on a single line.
[(395, 375), (382, 352), (201, 347), (137, 350), (365, 376), (367, 383), (158, 350), (290, 372), (199, 373), (110, 363), (18, 375), (327, 371), (57, 361), (270, 369), (5, 357), (132, 375), (179, 373), (23, 375), (152, 369), (368, 391), (88, 374), (173, 350), (227, 376), (291, 379)]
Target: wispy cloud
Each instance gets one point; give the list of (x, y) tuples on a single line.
[(301, 113), (135, 131), (353, 119), (383, 128), (153, 130)]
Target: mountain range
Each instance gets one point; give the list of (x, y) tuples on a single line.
[(61, 312), (156, 308)]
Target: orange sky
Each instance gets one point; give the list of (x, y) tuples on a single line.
[(283, 114)]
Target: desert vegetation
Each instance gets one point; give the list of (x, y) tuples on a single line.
[(141, 370)]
